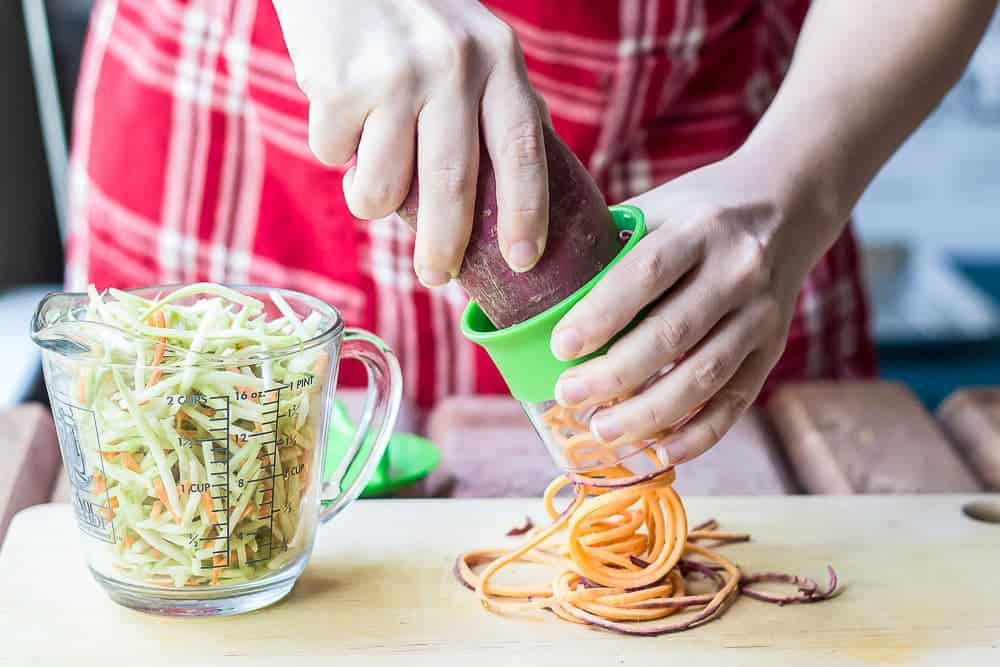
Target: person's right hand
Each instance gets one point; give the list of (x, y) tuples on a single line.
[(408, 85)]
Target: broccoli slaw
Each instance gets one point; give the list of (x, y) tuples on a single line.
[(207, 412)]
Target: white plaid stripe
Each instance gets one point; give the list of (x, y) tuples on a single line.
[(607, 99), (248, 201), (639, 178), (151, 64), (588, 49), (198, 168), (615, 118), (684, 44), (171, 245), (141, 272), (226, 258), (138, 235), (266, 69)]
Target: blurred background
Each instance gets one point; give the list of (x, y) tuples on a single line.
[(930, 222)]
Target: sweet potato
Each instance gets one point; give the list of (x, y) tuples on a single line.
[(582, 241)]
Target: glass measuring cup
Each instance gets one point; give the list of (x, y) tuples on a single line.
[(195, 454)]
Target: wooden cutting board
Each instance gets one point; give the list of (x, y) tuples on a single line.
[(920, 589)]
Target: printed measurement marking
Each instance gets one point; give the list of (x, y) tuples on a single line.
[(93, 515), (182, 399)]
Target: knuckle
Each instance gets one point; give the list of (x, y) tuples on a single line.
[(369, 200), (713, 433), (327, 149), (402, 81), (450, 181), (617, 381), (714, 216), (648, 271), (673, 334), (770, 310), (710, 373), (333, 87), (447, 253), (504, 39), (524, 145), (602, 320), (458, 52), (652, 418), (752, 262), (738, 403), (305, 83)]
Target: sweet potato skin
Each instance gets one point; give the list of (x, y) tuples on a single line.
[(582, 241)]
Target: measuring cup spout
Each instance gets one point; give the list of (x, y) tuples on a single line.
[(59, 325)]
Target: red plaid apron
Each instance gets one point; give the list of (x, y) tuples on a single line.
[(190, 161)]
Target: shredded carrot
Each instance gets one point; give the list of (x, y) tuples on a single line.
[(161, 493), (155, 553), (248, 510), (108, 510), (129, 541), (129, 462), (98, 486), (628, 553), (206, 503), (161, 349), (157, 509), (179, 425), (110, 456)]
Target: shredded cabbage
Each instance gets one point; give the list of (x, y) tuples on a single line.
[(205, 432)]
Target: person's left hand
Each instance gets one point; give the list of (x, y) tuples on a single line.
[(725, 258)]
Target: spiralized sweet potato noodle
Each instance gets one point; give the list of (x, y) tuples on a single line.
[(628, 559)]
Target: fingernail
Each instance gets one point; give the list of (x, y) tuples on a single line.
[(523, 255), (566, 344), (606, 427), (433, 277), (571, 391)]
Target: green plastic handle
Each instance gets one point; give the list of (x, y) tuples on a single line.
[(522, 352)]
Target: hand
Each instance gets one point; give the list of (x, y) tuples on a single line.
[(410, 84), (721, 266)]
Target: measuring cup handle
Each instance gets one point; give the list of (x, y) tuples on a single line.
[(385, 389)]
